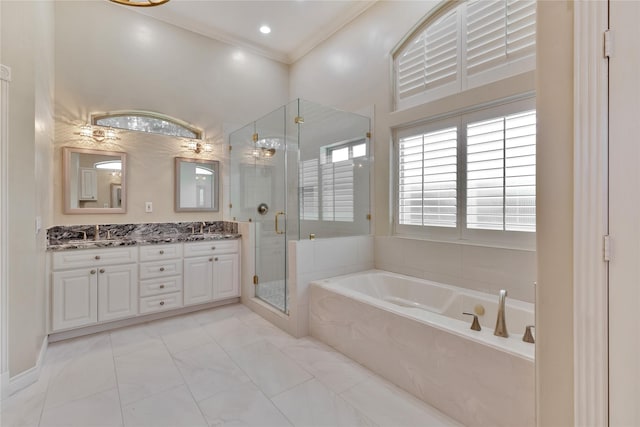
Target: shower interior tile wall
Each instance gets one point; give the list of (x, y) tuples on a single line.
[(481, 268)]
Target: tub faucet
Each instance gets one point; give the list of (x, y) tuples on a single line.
[(501, 324)]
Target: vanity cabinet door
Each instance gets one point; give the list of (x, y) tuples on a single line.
[(75, 298), (117, 292), (226, 283), (198, 280)]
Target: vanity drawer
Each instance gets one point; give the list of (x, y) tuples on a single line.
[(166, 268), (160, 303), (93, 257), (160, 286), (211, 247), (159, 252)]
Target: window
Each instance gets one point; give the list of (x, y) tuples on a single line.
[(143, 121), (470, 177), (327, 184), (465, 46)]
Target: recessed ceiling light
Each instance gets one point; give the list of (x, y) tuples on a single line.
[(265, 29)]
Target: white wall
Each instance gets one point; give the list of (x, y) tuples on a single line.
[(27, 45), (353, 69), (109, 58), (554, 293)]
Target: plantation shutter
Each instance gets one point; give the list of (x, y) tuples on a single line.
[(520, 174), (499, 32), (430, 60), (338, 191), (428, 179), (501, 173), (309, 194), (453, 52)]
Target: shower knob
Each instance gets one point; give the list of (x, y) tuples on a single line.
[(263, 208)]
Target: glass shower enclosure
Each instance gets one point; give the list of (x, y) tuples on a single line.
[(300, 172)]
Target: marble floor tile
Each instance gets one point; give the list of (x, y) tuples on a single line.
[(267, 330), (333, 369), (225, 367), (170, 408), (180, 333), (101, 409), (231, 333), (208, 370), (311, 404), (133, 338), (22, 410), (269, 368), (85, 375), (242, 406), (62, 353), (214, 315), (388, 405), (143, 373)]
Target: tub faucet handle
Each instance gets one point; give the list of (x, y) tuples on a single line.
[(528, 336), (501, 323), (475, 325)]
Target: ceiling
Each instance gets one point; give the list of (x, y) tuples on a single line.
[(297, 25)]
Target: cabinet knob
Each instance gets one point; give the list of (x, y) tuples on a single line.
[(161, 302), (210, 259), (161, 268), (161, 252), (97, 257), (92, 272), (213, 248), (102, 270), (161, 286), (216, 258)]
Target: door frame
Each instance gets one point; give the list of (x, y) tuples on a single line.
[(5, 79), (590, 281)]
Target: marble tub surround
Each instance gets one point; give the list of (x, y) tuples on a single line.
[(475, 383), (73, 236)]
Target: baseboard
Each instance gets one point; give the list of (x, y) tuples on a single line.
[(26, 378)]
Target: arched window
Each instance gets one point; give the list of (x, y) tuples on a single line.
[(144, 121), (464, 45), (466, 171)]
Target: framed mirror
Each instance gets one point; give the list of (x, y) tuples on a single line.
[(197, 185), (94, 181)]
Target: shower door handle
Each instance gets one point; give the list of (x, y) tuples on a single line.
[(277, 229)]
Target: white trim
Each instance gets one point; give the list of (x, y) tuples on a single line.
[(5, 78), (28, 377), (590, 306)]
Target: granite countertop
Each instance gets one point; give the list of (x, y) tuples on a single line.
[(114, 243), (62, 238)]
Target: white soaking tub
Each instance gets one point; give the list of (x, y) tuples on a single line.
[(413, 333)]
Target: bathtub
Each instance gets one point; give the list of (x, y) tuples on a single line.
[(413, 333)]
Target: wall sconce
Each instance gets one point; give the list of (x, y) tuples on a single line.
[(98, 134), (198, 146)]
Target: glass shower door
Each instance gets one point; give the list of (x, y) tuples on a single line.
[(259, 195), (270, 153)]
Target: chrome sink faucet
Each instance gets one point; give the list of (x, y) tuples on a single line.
[(96, 235), (202, 225), (501, 324)]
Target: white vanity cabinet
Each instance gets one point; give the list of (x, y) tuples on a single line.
[(160, 277), (211, 271), (91, 286)]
